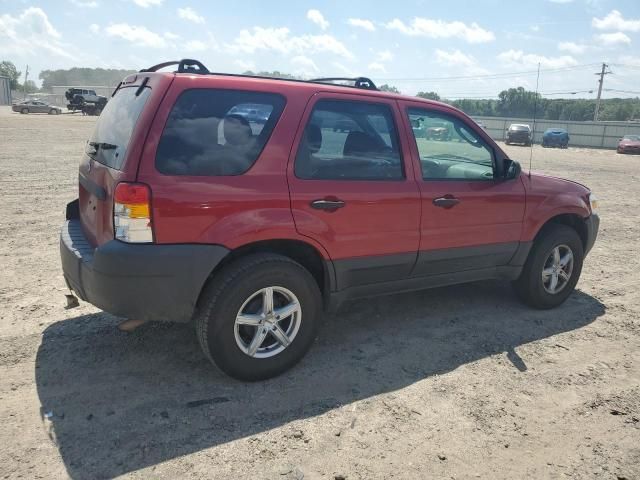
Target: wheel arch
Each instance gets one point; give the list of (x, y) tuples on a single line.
[(571, 220), (299, 251)]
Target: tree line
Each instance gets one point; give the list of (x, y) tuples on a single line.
[(513, 102), (521, 103)]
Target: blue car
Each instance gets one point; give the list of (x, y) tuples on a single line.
[(555, 137)]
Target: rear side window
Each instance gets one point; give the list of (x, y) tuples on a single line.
[(214, 132), (110, 138), (346, 140)]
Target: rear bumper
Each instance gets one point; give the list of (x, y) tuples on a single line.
[(145, 282), (518, 138), (555, 141), (593, 224)]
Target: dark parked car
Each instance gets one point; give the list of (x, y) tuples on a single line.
[(36, 106), (518, 133), (629, 144), (253, 113), (555, 137), (185, 214)]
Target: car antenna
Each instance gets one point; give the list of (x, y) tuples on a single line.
[(535, 111)]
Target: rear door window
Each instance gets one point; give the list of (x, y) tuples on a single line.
[(345, 140), (110, 139), (212, 132)]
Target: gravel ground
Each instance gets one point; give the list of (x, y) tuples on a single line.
[(460, 382)]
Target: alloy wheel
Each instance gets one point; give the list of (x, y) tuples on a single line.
[(267, 322), (557, 269)]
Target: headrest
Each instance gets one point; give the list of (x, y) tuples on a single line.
[(358, 144), (237, 130), (313, 136)]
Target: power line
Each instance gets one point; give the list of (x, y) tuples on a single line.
[(486, 76), (621, 91)]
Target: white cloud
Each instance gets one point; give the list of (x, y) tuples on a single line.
[(629, 60), (377, 67), (94, 28), (454, 58), (281, 41), (517, 58), (362, 23), (344, 70), (30, 33), (171, 36), (616, 38), (148, 3), (427, 27), (304, 66), (245, 65), (384, 56), (615, 21), (561, 1), (316, 17), (136, 34), (572, 47), (195, 46), (85, 3), (190, 15), (200, 46)]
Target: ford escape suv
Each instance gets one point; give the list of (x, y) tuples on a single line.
[(246, 205)]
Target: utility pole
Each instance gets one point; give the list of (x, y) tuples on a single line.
[(24, 87), (602, 73)]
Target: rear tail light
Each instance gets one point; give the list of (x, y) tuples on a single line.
[(132, 213)]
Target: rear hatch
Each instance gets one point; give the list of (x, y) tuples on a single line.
[(113, 150)]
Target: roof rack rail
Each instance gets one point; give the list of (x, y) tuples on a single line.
[(358, 82), (186, 65)]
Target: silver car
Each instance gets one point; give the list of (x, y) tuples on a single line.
[(36, 106)]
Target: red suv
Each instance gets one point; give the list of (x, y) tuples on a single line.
[(246, 205)]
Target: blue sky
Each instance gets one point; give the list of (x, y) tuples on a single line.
[(415, 45)]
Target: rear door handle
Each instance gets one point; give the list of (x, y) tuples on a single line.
[(326, 204), (446, 201)]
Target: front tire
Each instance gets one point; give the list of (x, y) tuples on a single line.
[(259, 316), (24, 111), (552, 269)]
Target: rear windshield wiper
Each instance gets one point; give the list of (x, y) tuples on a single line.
[(103, 145)]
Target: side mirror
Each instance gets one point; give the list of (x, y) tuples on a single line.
[(511, 169)]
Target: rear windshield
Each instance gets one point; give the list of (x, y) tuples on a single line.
[(110, 138), (214, 132), (519, 128)]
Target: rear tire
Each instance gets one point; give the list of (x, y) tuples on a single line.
[(235, 298), (535, 286)]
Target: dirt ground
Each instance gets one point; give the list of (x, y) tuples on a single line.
[(460, 382)]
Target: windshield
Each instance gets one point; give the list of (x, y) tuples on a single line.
[(635, 138), (115, 126), (519, 128)]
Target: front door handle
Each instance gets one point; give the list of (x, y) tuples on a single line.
[(330, 205), (448, 201)]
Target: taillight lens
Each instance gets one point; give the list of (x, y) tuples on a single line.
[(132, 213)]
